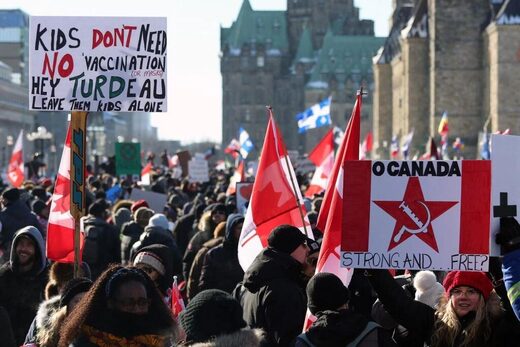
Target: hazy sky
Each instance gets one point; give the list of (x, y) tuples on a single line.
[(194, 81)]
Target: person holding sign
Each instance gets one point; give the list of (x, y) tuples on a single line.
[(469, 314)]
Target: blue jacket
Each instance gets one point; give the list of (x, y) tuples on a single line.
[(511, 270)]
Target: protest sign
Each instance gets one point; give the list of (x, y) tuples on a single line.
[(243, 195), (128, 159), (97, 64), (505, 192), (416, 215), (198, 169), (156, 201)]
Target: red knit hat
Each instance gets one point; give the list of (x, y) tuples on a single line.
[(137, 204), (477, 280)]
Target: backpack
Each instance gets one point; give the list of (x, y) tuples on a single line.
[(92, 244), (303, 341)]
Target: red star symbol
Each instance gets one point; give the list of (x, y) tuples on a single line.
[(413, 204)]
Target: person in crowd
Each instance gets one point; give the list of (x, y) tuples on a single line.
[(23, 279), (121, 216), (215, 213), (214, 318), (6, 329), (468, 315), (122, 308), (41, 210), (131, 231), (15, 215), (221, 269), (271, 293), (48, 334), (186, 225), (509, 240), (193, 282), (102, 246), (157, 262), (336, 324), (309, 267)]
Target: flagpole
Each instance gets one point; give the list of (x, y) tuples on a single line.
[(292, 184)]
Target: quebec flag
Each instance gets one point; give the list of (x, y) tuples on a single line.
[(246, 145), (315, 116)]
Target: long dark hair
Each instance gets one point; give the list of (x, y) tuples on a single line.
[(95, 303)]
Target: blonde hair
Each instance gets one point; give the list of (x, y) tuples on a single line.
[(447, 326)]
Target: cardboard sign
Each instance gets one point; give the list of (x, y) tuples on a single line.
[(128, 158), (416, 215), (198, 169), (156, 201), (97, 64), (243, 195), (505, 194)]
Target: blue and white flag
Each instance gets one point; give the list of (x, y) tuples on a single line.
[(246, 145), (314, 117), (406, 145)]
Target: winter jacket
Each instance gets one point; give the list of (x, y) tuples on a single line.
[(420, 318), (221, 269), (108, 246), (6, 330), (204, 233), (46, 309), (130, 233), (14, 217), (511, 270), (241, 338), (273, 297), (21, 293), (339, 328), (193, 282)]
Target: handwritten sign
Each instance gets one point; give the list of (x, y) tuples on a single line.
[(97, 64)]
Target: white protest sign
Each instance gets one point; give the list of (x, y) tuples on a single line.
[(243, 195), (416, 215), (198, 169), (97, 64), (505, 193), (156, 201)]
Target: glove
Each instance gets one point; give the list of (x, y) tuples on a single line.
[(509, 235)]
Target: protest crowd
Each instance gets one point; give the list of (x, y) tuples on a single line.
[(172, 277)]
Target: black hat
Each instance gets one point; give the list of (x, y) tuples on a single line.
[(99, 206), (286, 238), (37, 206), (211, 313), (314, 246), (73, 287), (11, 194), (325, 291)]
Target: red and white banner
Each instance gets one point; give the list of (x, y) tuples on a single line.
[(177, 300), (238, 176), (323, 157), (60, 229), (416, 215), (146, 174), (273, 200), (15, 171)]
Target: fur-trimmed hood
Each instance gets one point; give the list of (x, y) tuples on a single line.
[(241, 338)]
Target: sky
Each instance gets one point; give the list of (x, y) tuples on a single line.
[(194, 80)]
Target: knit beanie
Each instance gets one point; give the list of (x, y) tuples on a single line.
[(164, 255), (476, 280), (427, 289), (74, 287), (142, 216), (151, 260), (211, 313), (136, 205), (325, 291), (11, 194), (159, 220), (286, 238)]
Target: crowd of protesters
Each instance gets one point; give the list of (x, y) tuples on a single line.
[(132, 254)]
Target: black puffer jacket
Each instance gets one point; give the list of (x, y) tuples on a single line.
[(130, 233), (221, 269), (273, 297), (339, 328), (108, 245)]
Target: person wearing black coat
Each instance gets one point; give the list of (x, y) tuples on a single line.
[(186, 225), (221, 269), (271, 293)]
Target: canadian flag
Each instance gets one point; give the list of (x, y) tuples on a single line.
[(330, 218), (323, 157), (237, 177), (273, 199), (177, 300), (145, 174), (15, 171), (60, 229), (366, 146)]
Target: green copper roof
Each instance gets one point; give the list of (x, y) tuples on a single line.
[(305, 51), (343, 57), (269, 27)]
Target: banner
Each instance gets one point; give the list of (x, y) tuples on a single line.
[(416, 215), (128, 159), (99, 64), (198, 169)]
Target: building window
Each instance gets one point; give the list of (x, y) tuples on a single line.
[(260, 61)]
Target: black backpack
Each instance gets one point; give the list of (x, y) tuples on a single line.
[(92, 247)]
